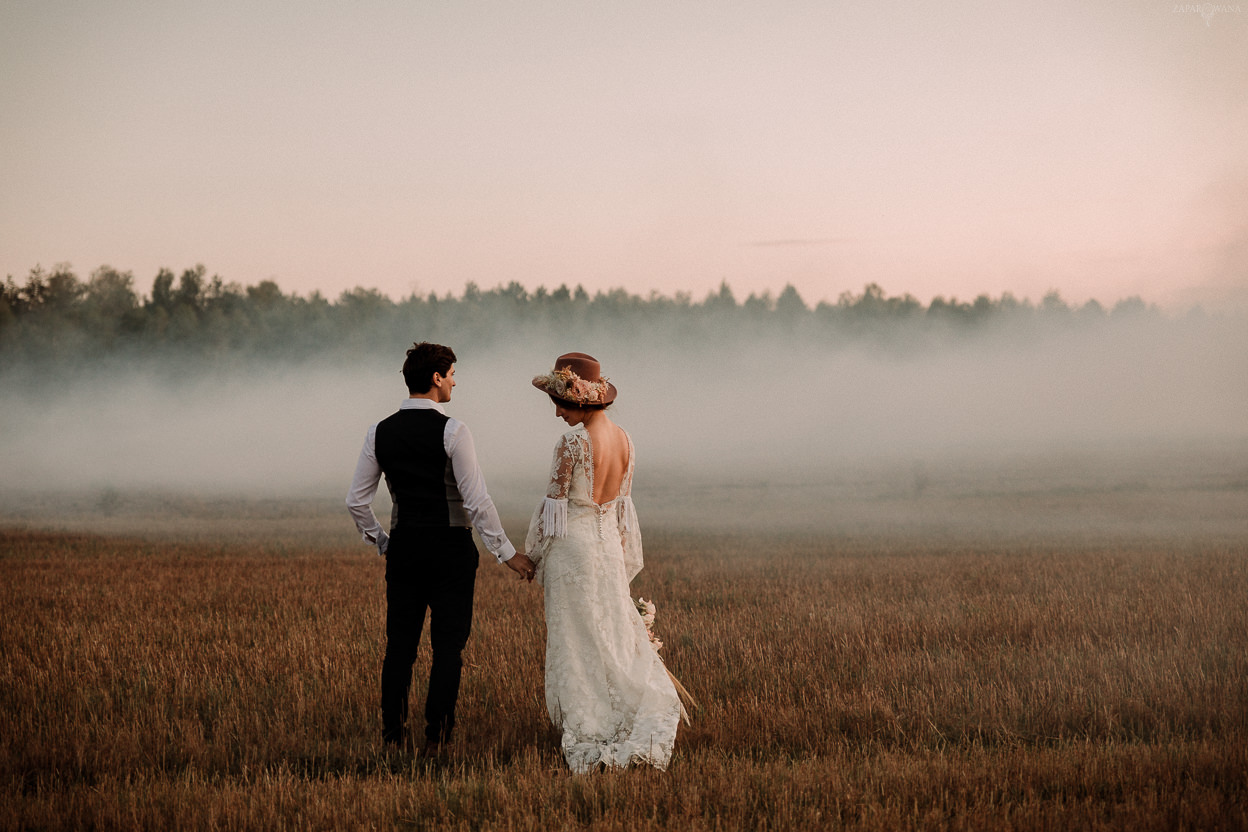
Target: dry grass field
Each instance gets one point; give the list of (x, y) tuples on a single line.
[(864, 678)]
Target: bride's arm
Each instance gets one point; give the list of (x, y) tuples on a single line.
[(555, 506), (551, 518)]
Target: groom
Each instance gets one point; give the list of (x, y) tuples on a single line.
[(437, 489)]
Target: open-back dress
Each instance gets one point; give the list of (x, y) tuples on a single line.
[(606, 687)]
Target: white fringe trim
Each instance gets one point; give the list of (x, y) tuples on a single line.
[(554, 517)]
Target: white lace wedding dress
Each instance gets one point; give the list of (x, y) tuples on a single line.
[(606, 687)]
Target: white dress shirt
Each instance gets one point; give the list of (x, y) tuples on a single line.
[(457, 440)]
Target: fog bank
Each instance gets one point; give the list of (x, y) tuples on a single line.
[(701, 414)]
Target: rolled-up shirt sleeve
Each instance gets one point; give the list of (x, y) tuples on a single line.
[(471, 483), (363, 489)]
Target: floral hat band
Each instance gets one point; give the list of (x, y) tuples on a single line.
[(577, 379)]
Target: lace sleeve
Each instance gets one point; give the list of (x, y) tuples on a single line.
[(630, 528), (551, 517), (561, 468)]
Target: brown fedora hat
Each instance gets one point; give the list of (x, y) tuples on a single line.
[(577, 379)]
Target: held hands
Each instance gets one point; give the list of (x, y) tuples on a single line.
[(520, 564)]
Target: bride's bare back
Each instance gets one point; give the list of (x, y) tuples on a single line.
[(610, 449)]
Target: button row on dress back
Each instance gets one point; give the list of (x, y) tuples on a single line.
[(600, 511)]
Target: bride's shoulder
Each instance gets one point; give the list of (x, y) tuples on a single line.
[(572, 438)]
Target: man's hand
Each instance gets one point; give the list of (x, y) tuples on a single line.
[(520, 564)]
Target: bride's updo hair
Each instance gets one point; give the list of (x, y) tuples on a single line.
[(576, 406)]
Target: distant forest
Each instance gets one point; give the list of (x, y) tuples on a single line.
[(56, 316)]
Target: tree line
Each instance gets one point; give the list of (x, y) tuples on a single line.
[(56, 315)]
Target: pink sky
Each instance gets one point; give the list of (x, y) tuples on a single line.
[(953, 149)]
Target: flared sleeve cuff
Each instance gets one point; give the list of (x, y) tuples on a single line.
[(628, 515), (554, 517)]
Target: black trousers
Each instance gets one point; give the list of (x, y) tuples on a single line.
[(434, 570)]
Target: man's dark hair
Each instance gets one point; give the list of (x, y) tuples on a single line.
[(423, 360)]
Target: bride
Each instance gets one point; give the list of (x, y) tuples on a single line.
[(606, 687)]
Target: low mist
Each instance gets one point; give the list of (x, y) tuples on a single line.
[(1061, 406)]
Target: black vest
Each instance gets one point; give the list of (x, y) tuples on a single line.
[(412, 455)]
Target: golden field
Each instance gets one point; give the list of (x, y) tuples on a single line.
[(858, 675)]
